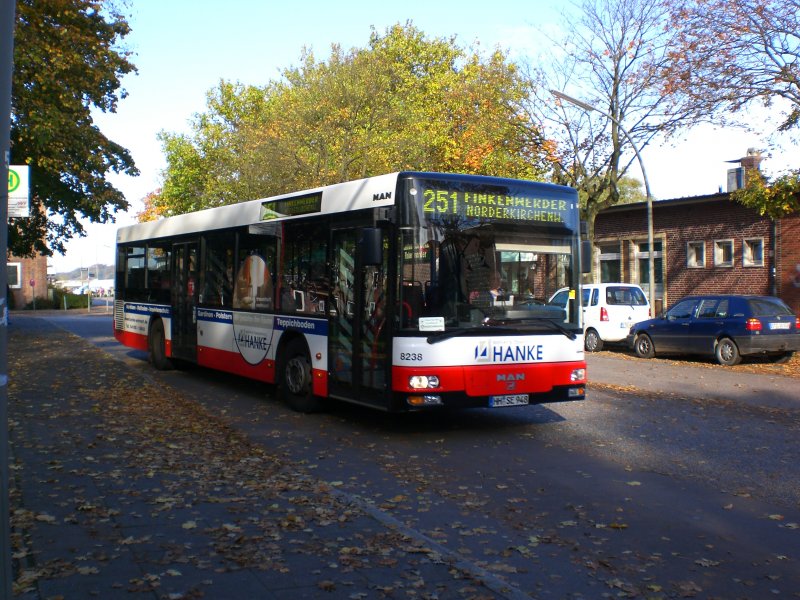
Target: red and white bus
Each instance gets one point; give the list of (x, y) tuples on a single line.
[(402, 292)]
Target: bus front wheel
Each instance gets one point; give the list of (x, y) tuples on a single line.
[(294, 378), (157, 346)]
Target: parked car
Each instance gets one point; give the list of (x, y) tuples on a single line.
[(609, 310), (726, 326)]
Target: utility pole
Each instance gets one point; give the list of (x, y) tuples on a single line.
[(586, 107), (7, 18)]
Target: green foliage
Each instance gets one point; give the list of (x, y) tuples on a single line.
[(777, 198), (59, 298), (630, 190), (403, 102), (66, 62)]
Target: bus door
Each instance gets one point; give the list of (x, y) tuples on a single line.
[(358, 336), (184, 301)]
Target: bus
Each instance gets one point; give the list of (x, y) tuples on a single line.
[(401, 292)]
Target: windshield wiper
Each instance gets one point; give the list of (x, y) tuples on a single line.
[(530, 321), (451, 333), (500, 324)]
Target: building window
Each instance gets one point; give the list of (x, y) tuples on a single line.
[(14, 271), (696, 255), (753, 252), (610, 263), (643, 256), (723, 253)]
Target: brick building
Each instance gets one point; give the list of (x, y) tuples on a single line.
[(21, 271), (703, 244)]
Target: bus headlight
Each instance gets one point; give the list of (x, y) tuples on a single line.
[(423, 382), (577, 375)]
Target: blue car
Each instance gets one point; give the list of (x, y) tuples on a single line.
[(727, 327)]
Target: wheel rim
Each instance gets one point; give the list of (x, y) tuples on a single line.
[(297, 375), (726, 351), (644, 345), (591, 341)]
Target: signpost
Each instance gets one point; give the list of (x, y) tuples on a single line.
[(19, 191)]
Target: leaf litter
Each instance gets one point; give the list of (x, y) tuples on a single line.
[(119, 451)]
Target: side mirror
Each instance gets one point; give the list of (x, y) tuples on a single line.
[(371, 245), (586, 256)]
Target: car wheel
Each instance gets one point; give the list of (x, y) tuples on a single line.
[(783, 358), (643, 346), (157, 346), (727, 352), (592, 341), (294, 378)]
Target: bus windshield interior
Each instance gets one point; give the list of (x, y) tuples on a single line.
[(486, 274)]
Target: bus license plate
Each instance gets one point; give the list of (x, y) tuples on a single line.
[(511, 400)]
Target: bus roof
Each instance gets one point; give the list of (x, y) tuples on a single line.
[(371, 192), (340, 197)]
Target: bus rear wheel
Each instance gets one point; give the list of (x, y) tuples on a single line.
[(294, 379), (157, 346)]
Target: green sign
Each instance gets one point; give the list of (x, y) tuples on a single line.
[(291, 207), (493, 206), (13, 180), (18, 191)]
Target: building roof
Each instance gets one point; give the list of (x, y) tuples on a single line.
[(687, 201)]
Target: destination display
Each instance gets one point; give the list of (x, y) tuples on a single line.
[(291, 207), (493, 206)]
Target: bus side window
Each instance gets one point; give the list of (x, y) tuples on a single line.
[(218, 271), (304, 285), (254, 285)]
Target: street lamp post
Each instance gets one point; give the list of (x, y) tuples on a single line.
[(651, 250)]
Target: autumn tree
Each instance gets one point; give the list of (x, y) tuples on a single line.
[(774, 197), (729, 53), (732, 53), (403, 102), (67, 62), (612, 57)]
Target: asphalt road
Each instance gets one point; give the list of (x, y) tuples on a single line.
[(668, 481)]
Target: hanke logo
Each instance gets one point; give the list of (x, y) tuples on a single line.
[(499, 352)]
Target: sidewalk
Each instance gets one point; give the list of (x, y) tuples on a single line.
[(124, 489), (683, 378)]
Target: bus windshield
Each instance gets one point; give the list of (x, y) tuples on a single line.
[(471, 259)]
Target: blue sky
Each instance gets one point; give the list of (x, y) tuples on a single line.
[(183, 48)]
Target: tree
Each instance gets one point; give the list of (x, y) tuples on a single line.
[(729, 53), (66, 62), (403, 102), (776, 198), (617, 51)]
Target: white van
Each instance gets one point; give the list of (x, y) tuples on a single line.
[(609, 310)]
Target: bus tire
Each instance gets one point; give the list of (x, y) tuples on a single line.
[(294, 378), (157, 346), (727, 352)]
